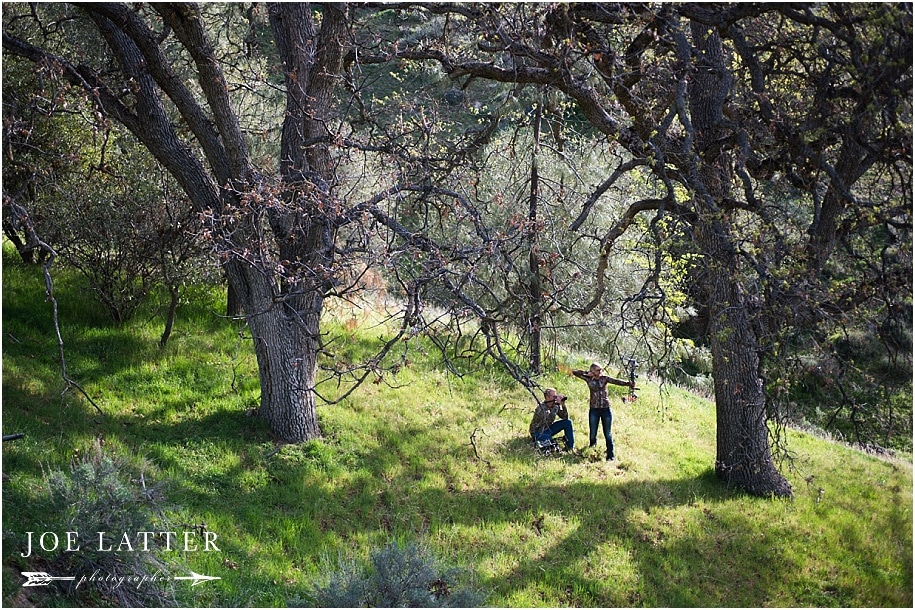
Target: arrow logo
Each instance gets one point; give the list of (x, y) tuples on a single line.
[(41, 579), (197, 578)]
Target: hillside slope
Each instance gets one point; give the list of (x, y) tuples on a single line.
[(428, 456)]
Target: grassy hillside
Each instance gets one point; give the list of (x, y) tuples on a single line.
[(426, 456)]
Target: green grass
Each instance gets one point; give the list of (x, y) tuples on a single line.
[(654, 528)]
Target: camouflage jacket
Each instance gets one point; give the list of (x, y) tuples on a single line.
[(545, 414), (597, 387)]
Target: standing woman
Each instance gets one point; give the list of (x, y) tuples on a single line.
[(599, 404)]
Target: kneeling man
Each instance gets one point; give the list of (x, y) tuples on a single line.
[(545, 426)]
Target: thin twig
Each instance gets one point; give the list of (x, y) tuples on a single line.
[(509, 406), (21, 217), (274, 451), (473, 442), (49, 296)]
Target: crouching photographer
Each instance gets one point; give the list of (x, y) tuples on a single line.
[(545, 426)]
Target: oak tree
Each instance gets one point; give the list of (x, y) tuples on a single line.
[(780, 140), (772, 143)]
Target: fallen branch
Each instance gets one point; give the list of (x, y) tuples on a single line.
[(49, 292), (274, 451), (21, 218), (473, 442), (509, 406)]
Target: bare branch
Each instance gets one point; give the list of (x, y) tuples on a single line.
[(20, 217)]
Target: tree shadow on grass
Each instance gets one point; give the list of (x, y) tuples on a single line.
[(595, 540), (558, 533), (309, 501)]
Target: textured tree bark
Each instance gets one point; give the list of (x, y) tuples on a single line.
[(285, 333), (286, 344), (744, 458), (233, 306)]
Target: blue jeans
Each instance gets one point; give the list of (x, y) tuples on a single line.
[(605, 417), (560, 425)]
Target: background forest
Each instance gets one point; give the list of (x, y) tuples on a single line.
[(242, 213)]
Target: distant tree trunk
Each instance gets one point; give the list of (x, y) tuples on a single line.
[(170, 316), (744, 458), (27, 254), (535, 297), (853, 162)]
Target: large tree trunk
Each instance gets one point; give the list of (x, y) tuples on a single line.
[(283, 314), (285, 333), (286, 359), (285, 317), (744, 458)]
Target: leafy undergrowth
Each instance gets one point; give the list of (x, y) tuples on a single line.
[(430, 457)]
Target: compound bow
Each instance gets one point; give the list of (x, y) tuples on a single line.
[(631, 364)]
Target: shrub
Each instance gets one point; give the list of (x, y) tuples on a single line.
[(98, 495), (396, 576)]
